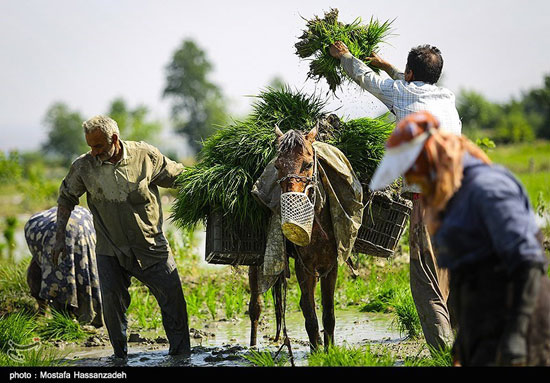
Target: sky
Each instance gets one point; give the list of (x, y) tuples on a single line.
[(87, 53)]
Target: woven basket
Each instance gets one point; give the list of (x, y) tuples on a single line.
[(383, 224), (238, 246)]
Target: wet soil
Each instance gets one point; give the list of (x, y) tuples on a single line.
[(225, 343)]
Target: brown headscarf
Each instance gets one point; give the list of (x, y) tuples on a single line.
[(440, 161)]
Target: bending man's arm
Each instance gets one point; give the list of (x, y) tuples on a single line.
[(63, 215), (70, 191), (383, 89)]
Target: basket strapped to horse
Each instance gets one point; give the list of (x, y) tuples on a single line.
[(384, 221), (241, 245)]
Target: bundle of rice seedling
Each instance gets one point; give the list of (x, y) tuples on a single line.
[(362, 141), (320, 34), (233, 158)]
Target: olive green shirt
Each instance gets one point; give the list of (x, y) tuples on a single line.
[(124, 200)]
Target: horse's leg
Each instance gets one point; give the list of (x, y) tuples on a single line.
[(254, 306), (327, 298), (307, 283), (276, 290)]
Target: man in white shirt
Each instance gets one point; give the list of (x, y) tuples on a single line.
[(403, 94)]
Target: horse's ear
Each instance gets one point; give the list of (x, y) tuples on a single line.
[(313, 133), (278, 132)]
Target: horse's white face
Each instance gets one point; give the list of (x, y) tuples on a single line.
[(295, 161)]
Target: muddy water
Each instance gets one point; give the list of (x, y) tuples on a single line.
[(224, 343)]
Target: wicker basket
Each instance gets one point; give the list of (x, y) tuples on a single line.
[(383, 224), (241, 246)]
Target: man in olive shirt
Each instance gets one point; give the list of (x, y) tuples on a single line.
[(121, 180)]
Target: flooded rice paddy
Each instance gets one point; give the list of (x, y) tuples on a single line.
[(223, 343)]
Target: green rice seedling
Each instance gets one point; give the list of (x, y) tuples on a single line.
[(18, 328), (235, 156), (38, 356), (350, 291), (13, 276), (342, 356), (230, 304), (437, 358), (13, 285), (193, 304), (363, 143), (235, 300), (287, 109), (61, 326), (406, 316), (266, 359), (212, 301), (240, 300), (362, 40), (143, 307), (19, 344)]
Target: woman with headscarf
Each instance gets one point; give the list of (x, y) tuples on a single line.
[(484, 232)]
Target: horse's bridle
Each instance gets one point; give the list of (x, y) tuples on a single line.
[(309, 181)]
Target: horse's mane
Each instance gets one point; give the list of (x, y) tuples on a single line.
[(290, 140)]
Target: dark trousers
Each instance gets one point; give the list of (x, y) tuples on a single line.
[(482, 304), (163, 282)]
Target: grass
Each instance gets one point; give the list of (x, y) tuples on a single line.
[(406, 316), (340, 356), (14, 289), (61, 326), (144, 309), (266, 359), (39, 356), (18, 328), (437, 358), (361, 40), (20, 345), (235, 156), (530, 162)]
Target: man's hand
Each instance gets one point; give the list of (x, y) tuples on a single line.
[(58, 249), (63, 215), (377, 61), (512, 350), (338, 49)]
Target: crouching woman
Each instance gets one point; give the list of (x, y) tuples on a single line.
[(484, 231)]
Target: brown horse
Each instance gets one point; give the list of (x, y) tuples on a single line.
[(295, 164)]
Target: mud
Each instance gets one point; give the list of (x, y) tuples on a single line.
[(225, 343)]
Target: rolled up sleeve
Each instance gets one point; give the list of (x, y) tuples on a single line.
[(165, 171), (383, 89), (71, 188)]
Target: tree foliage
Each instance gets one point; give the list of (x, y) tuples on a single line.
[(536, 104), (198, 106), (476, 111), (132, 123), (520, 120), (65, 134)]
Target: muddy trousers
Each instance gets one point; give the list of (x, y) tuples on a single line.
[(429, 284), (163, 282)]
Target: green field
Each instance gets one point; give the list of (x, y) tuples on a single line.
[(530, 162)]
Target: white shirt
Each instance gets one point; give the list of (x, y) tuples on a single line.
[(403, 98)]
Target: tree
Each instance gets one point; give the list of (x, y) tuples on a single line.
[(65, 133), (536, 104), (132, 123), (198, 105), (512, 126), (476, 112)]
